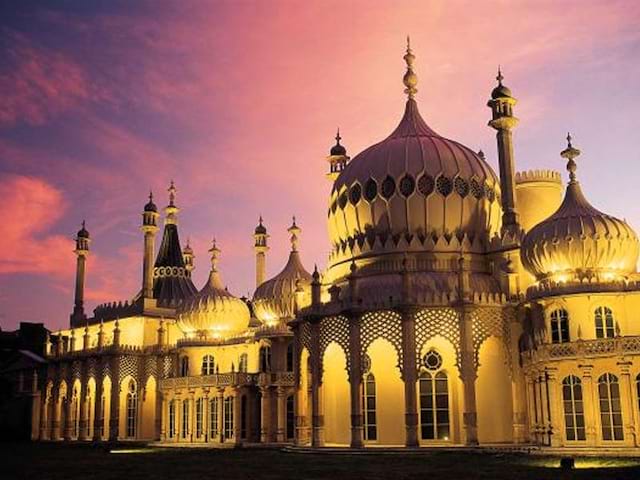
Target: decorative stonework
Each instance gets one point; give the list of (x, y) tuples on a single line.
[(432, 322), (384, 324), (335, 329), (488, 322)]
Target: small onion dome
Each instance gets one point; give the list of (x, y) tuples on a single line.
[(213, 312), (578, 242), (501, 91), (275, 299), (150, 206), (260, 229), (337, 149), (83, 233)]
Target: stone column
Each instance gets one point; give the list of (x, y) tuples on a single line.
[(237, 416), (44, 414), (161, 416), (628, 407), (85, 400), (409, 376), (98, 420), (68, 420), (58, 405), (114, 416), (317, 418), (221, 415), (265, 414), (205, 414), (531, 407), (281, 407), (192, 417), (468, 375), (555, 409), (355, 381)]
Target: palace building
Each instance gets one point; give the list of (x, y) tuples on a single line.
[(459, 306)]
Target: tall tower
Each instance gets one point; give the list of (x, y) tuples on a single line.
[(503, 121), (78, 316), (149, 228), (337, 158), (261, 248)]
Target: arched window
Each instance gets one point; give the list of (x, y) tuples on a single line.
[(172, 419), (559, 326), (605, 327), (265, 359), (243, 363), (184, 367), (434, 398), (573, 408), (132, 409), (290, 357), (185, 419), (369, 407), (610, 407), (228, 417), (290, 418), (199, 415), (208, 365), (214, 428)]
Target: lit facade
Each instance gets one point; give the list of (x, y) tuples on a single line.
[(458, 307)]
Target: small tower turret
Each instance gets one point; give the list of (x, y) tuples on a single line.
[(337, 158), (503, 121), (188, 256), (260, 248), (171, 210), (83, 239), (149, 228)]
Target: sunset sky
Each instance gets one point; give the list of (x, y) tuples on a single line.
[(238, 102)]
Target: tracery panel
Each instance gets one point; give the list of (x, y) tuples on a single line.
[(432, 322), (384, 324)]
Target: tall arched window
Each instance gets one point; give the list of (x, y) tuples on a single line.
[(291, 418), (132, 409), (208, 365), (185, 419), (265, 359), (290, 357), (434, 399), (573, 408), (228, 417), (369, 407), (243, 363), (559, 326), (199, 415), (214, 428), (610, 407), (605, 327), (184, 366), (172, 419)]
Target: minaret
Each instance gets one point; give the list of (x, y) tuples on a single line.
[(294, 230), (78, 316), (337, 159), (188, 256), (171, 210), (261, 248), (149, 228), (501, 104)]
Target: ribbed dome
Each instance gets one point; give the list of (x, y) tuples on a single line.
[(415, 183), (213, 312), (275, 299), (578, 242)]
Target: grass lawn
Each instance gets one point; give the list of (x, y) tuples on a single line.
[(68, 462)]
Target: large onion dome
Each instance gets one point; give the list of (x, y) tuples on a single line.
[(278, 298), (413, 191), (579, 243), (213, 312)]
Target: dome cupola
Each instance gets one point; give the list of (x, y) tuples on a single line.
[(213, 312), (413, 191), (278, 298), (578, 243)]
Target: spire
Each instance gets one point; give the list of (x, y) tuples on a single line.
[(215, 253), (215, 282), (499, 77), (172, 194), (410, 79), (294, 230), (171, 210), (571, 154)]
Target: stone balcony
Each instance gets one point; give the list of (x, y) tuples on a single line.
[(581, 349), (234, 379)]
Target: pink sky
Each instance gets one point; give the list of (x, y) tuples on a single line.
[(238, 102)]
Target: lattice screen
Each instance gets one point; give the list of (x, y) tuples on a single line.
[(432, 322), (487, 322), (335, 329), (382, 324)]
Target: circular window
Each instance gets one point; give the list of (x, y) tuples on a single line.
[(370, 190), (432, 360), (407, 185), (426, 185), (366, 363), (355, 194), (388, 187), (461, 186), (342, 201), (476, 189), (444, 185)]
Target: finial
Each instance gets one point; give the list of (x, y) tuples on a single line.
[(260, 220), (83, 224), (294, 230), (215, 252), (570, 153), (499, 77), (338, 137), (481, 154), (410, 79), (172, 194), (150, 196)]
